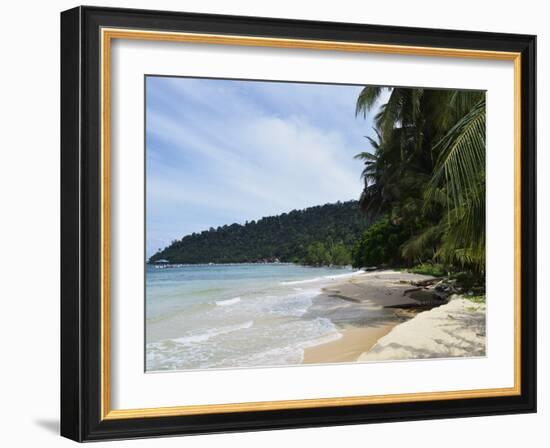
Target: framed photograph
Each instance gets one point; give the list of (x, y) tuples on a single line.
[(274, 223)]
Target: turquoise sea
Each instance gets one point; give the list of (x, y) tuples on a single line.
[(228, 316)]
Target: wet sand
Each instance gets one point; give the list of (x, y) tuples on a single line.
[(353, 343), (364, 308)]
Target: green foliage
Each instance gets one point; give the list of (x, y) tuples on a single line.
[(480, 298), (433, 269), (426, 171), (317, 255), (424, 186), (326, 254), (469, 280), (341, 255), (321, 235), (380, 244)]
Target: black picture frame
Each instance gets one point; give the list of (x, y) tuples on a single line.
[(81, 224)]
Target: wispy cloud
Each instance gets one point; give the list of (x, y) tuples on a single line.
[(222, 151)]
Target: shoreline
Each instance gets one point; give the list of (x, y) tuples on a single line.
[(364, 308), (352, 343), (350, 317)]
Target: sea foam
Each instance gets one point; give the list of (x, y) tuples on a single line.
[(324, 277), (208, 334), (227, 302), (234, 316)]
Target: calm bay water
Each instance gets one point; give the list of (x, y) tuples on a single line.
[(244, 315)]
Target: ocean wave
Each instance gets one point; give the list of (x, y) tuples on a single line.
[(348, 274), (323, 340), (228, 301), (251, 348), (324, 277), (298, 282), (294, 304), (208, 334), (292, 354)]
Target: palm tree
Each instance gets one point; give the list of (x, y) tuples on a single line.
[(460, 173), (426, 169), (401, 108)]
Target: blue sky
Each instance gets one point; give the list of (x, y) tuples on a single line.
[(224, 151)]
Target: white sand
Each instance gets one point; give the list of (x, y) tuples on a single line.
[(456, 329)]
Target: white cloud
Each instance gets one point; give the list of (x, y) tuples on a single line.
[(242, 160)]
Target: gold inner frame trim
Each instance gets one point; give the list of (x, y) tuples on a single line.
[(107, 35)]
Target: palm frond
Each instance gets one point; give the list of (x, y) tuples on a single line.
[(462, 156), (423, 244), (366, 100)]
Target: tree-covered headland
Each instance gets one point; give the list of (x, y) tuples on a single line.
[(316, 236)]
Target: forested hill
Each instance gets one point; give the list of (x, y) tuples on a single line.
[(316, 235)]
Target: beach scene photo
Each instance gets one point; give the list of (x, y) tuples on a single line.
[(293, 224)]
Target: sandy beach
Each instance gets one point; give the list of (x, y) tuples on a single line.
[(365, 308), (456, 329), (305, 316), (353, 343)]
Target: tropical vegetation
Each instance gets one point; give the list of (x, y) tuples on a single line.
[(316, 236), (423, 201), (424, 178)]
